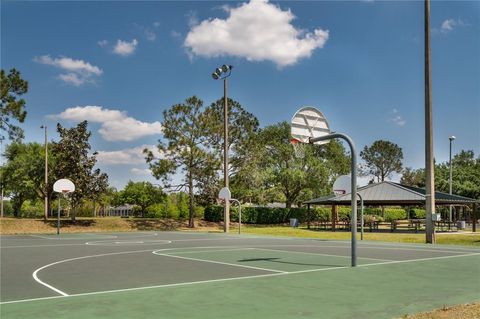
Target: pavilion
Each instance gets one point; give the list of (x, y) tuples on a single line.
[(394, 194)]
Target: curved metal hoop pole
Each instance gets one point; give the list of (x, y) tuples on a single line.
[(239, 214), (353, 154)]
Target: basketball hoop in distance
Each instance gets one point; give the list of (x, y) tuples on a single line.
[(342, 185), (225, 194), (63, 186)]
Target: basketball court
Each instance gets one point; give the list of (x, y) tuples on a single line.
[(201, 275)]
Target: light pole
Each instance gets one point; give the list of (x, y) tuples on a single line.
[(46, 172), (451, 138), (429, 164), (1, 177), (223, 73)]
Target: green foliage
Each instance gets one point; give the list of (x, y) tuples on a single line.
[(382, 159), (23, 173), (32, 209), (75, 163), (243, 150), (175, 206), (141, 194), (267, 215), (465, 175), (262, 215), (392, 214), (294, 178), (187, 149), (7, 208), (11, 107), (417, 213)]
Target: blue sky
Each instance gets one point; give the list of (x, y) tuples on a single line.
[(120, 64)]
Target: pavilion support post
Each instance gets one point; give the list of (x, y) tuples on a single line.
[(334, 217), (474, 218), (308, 216)]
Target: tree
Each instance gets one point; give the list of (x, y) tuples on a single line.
[(74, 162), (11, 108), (23, 173), (382, 159), (413, 177), (465, 175), (141, 194), (311, 176), (186, 149), (243, 130)]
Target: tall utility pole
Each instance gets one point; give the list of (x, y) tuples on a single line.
[(429, 165), (46, 172), (1, 177), (451, 138), (225, 156), (223, 73)]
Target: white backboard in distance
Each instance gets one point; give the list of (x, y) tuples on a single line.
[(63, 186)]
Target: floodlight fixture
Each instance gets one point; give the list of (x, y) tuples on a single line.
[(452, 138), (222, 72)]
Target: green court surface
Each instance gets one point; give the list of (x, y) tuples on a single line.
[(195, 275)]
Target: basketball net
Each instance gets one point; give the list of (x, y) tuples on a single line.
[(299, 147)]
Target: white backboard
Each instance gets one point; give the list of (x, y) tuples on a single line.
[(63, 186), (342, 185), (309, 122), (225, 194)]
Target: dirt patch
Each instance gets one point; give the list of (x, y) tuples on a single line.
[(468, 311)]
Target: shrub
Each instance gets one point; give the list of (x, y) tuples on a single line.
[(32, 210), (263, 215), (213, 213), (392, 214), (417, 213)]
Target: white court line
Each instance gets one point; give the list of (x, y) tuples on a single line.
[(85, 236), (318, 254), (211, 250), (35, 277), (221, 280), (37, 246), (220, 263)]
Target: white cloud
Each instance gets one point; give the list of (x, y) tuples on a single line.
[(129, 156), (141, 171), (450, 24), (79, 71), (73, 79), (115, 125), (102, 43), (397, 118), (125, 48), (175, 34), (150, 35), (192, 18), (257, 31)]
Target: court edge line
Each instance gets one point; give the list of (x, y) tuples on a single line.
[(227, 279), (220, 263)]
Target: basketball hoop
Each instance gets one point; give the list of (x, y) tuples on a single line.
[(299, 147), (65, 191)]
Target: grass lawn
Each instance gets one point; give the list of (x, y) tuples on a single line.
[(468, 239), (10, 226)]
